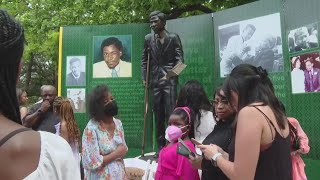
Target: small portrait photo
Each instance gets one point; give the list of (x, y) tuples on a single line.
[(254, 41), (303, 38), (112, 56), (305, 73), (76, 71), (77, 99)]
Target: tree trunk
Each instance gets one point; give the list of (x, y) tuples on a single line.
[(28, 73)]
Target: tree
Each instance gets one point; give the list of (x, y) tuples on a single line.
[(42, 19)]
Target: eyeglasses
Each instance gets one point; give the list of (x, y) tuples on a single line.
[(222, 102)]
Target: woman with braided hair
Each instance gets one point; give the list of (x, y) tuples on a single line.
[(24, 153), (67, 127)]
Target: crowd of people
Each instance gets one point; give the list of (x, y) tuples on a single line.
[(243, 133)]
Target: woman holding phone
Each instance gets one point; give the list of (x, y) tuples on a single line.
[(222, 133)]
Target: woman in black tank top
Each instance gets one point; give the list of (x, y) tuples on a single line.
[(261, 147)]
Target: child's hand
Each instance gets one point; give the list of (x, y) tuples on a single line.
[(195, 161)]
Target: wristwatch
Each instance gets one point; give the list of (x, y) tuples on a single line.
[(214, 158)]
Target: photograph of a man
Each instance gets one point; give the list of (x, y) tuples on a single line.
[(76, 67), (112, 65), (237, 50), (312, 77), (303, 38), (165, 51), (255, 41)]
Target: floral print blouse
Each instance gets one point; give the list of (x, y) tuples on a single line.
[(97, 142)]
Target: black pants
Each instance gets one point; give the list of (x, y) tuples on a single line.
[(164, 94)]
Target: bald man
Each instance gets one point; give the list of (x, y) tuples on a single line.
[(41, 116)]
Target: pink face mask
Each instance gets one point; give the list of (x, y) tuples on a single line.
[(173, 133)]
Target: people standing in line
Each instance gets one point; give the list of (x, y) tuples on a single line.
[(22, 100), (165, 52), (103, 143), (67, 127), (221, 135), (25, 154), (41, 116), (261, 147)]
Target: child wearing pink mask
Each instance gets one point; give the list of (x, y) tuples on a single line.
[(172, 166)]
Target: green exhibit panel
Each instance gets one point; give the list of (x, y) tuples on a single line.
[(196, 35), (279, 23), (280, 36), (85, 42)]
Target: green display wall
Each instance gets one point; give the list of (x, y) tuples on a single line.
[(203, 38), (128, 91)]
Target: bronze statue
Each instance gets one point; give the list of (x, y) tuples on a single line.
[(165, 51)]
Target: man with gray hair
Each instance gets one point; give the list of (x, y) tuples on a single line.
[(41, 116)]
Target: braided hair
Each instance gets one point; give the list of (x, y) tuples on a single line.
[(11, 50), (64, 108)]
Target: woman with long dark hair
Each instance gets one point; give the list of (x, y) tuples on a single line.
[(22, 100), (193, 95), (224, 115), (261, 147)]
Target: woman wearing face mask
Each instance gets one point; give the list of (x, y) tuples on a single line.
[(172, 166), (103, 143), (221, 135)]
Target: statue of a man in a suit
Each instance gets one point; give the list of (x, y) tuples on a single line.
[(165, 52)]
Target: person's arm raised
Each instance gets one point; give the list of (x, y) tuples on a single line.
[(31, 119)]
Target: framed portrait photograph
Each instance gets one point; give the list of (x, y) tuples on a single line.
[(305, 73), (76, 71), (112, 56), (77, 98), (303, 38)]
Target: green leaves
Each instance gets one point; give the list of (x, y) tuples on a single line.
[(42, 19)]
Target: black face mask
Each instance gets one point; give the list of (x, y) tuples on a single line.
[(111, 108)]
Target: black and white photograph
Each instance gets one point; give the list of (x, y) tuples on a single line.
[(76, 71), (305, 73), (303, 38), (77, 98), (255, 41)]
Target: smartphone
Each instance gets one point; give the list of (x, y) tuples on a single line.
[(184, 150), (195, 142)]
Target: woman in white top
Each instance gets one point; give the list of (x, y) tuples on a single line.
[(25, 154), (297, 76), (193, 95)]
